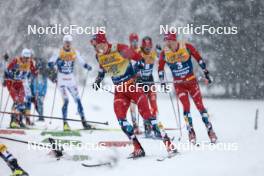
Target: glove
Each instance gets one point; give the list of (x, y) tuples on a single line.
[(208, 77), (51, 65), (88, 67), (164, 87), (158, 48), (4, 83), (97, 84), (6, 57)]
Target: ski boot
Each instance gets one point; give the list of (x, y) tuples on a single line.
[(66, 126), (41, 119), (86, 125), (192, 136), (161, 126), (138, 150), (136, 128), (14, 123), (211, 133), (147, 128), (171, 149), (17, 170)]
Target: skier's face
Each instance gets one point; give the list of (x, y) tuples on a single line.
[(147, 49), (134, 44), (25, 59), (102, 48), (171, 44), (67, 45)]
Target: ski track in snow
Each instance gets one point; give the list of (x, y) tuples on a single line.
[(233, 121)]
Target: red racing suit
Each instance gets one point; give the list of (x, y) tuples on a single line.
[(181, 66), (117, 63), (16, 74)]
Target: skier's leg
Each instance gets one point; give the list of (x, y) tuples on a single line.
[(28, 97), (11, 161), (121, 105), (65, 98), (138, 95), (182, 93), (197, 98), (75, 94), (152, 97)]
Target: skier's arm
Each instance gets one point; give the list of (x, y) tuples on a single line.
[(196, 56), (201, 62), (33, 69), (129, 53), (81, 61), (161, 66), (100, 77), (52, 60)]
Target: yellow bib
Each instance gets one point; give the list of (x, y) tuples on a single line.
[(113, 63), (23, 66), (181, 55), (67, 55), (149, 58)]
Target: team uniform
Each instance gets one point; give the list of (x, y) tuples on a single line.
[(65, 61), (185, 82), (38, 88), (116, 62), (11, 162), (16, 80)]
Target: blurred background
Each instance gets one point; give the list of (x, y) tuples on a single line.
[(235, 61)]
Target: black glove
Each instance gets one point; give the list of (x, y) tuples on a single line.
[(6, 57), (208, 77), (88, 67), (164, 87), (97, 84), (158, 48), (4, 83)]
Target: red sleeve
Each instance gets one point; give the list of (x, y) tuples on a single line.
[(161, 61), (33, 69), (128, 52), (193, 52), (12, 64)]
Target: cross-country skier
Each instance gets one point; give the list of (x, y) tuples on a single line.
[(115, 60), (133, 41), (145, 79), (16, 80), (177, 55), (11, 161), (38, 88), (65, 60)]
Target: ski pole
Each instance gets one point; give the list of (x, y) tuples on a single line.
[(53, 103), (58, 118), (1, 100), (178, 121), (4, 110), (85, 82), (53, 146)]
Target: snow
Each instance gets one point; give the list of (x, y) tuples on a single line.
[(233, 121)]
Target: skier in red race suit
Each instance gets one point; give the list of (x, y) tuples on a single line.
[(16, 75), (177, 55), (133, 41), (115, 60)]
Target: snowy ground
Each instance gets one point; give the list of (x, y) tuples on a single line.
[(233, 121)]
